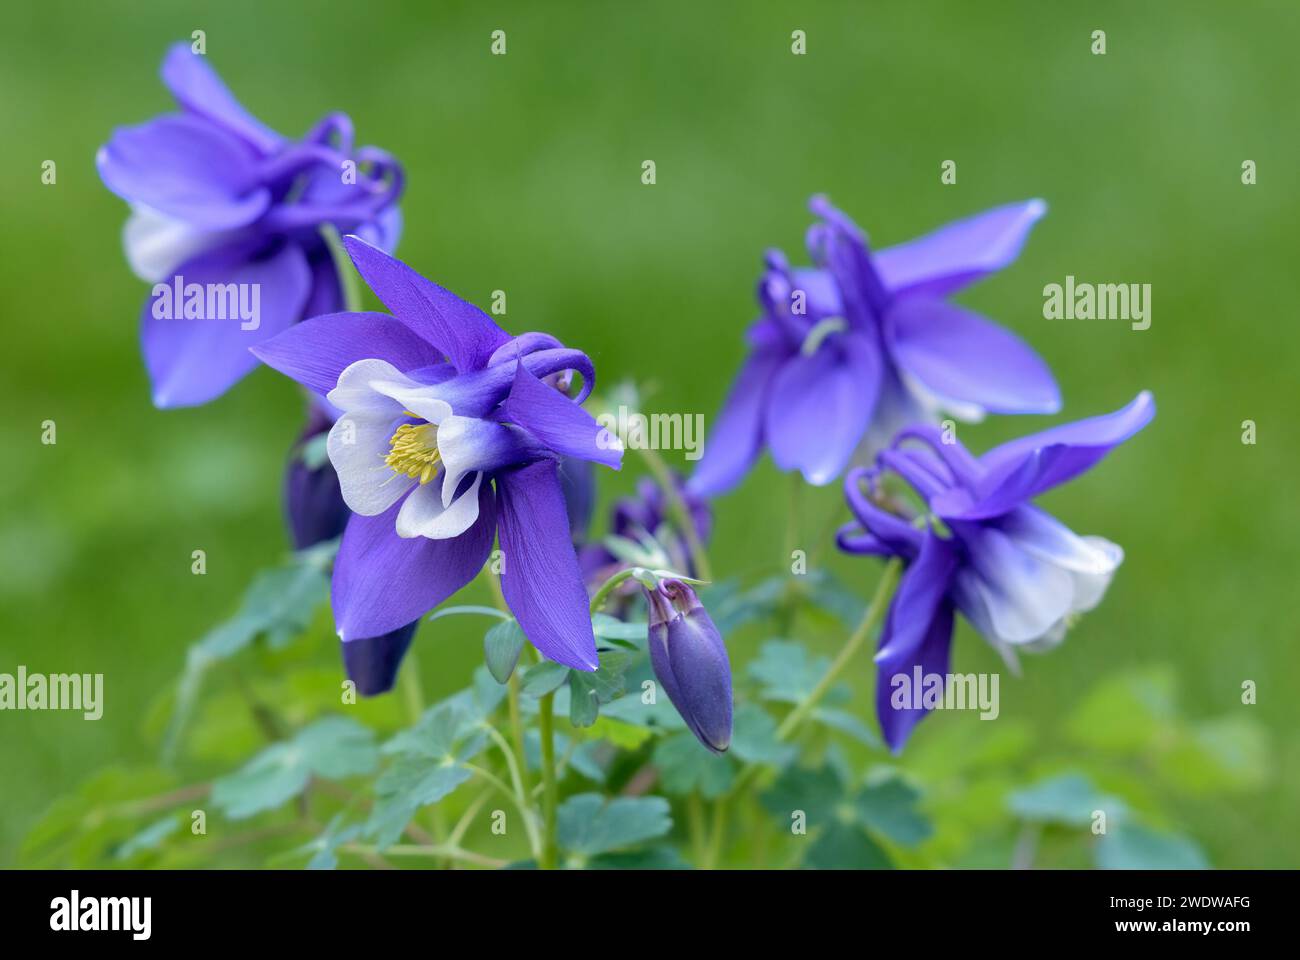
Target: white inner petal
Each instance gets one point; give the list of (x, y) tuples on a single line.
[(156, 245), (423, 515), (1022, 595), (376, 386), (1047, 538), (357, 445)]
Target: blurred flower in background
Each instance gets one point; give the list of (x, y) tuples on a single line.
[(858, 346), (226, 207)]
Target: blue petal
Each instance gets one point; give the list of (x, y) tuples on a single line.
[(541, 581), (960, 356), (382, 581), (461, 330), (559, 423), (316, 351), (1022, 469), (959, 253), (734, 443), (192, 361), (918, 632), (820, 405), (198, 89)]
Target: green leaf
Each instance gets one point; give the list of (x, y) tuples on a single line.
[(324, 849), (847, 723), (543, 678), (502, 645), (844, 846), (819, 793), (1127, 714), (685, 765), (890, 809), (625, 736), (331, 748), (279, 604), (651, 858), (411, 783), (785, 672), (1224, 754), (588, 824), (1068, 799), (611, 628), (149, 838), (587, 691), (824, 591), (632, 709), (77, 827), (1131, 846), (753, 738), (584, 706)]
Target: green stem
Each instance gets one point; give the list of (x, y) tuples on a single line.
[(520, 764), (347, 273), (442, 852), (601, 595), (679, 512), (717, 834), (521, 793), (795, 719), (789, 607), (546, 726), (872, 616)]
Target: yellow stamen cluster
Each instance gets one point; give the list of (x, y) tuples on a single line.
[(414, 451)]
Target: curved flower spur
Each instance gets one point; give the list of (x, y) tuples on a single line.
[(448, 437), (979, 545), (222, 207), (859, 345)]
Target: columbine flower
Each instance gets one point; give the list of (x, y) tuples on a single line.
[(1015, 572), (219, 199), (447, 437), (690, 660), (860, 345)]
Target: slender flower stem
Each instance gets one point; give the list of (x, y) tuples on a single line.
[(521, 793), (795, 719), (462, 825), (717, 834), (695, 815), (413, 694), (347, 273), (549, 856), (609, 586), (789, 607), (678, 510), (884, 590), (519, 766), (446, 851)]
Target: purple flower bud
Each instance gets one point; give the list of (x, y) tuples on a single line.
[(690, 660), (372, 662), (312, 500)]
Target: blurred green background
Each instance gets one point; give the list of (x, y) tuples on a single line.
[(524, 175)]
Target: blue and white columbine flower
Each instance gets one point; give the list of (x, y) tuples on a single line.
[(448, 437), (980, 546)]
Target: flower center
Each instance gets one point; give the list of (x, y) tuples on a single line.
[(413, 451)]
